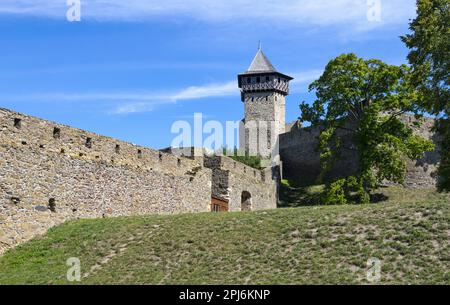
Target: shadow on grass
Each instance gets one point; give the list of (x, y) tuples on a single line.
[(378, 197), (294, 194)]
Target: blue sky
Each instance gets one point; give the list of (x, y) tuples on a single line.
[(129, 69)]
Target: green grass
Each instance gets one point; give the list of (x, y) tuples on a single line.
[(292, 195), (252, 161), (243, 157), (409, 233)]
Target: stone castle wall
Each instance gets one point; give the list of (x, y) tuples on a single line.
[(51, 173), (301, 160), (231, 179), (423, 173), (84, 175)]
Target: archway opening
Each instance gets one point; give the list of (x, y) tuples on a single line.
[(246, 201)]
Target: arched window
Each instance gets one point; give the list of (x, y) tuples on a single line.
[(17, 123), (56, 133), (246, 201), (88, 143), (52, 205)]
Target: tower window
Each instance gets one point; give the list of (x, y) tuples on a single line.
[(52, 205), (17, 123), (56, 133), (267, 78), (279, 80), (88, 143), (15, 200), (258, 79), (249, 80)]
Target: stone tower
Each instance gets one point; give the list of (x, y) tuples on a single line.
[(263, 92)]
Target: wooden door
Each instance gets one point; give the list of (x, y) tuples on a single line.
[(218, 205)]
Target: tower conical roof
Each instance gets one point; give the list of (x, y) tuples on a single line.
[(260, 64)]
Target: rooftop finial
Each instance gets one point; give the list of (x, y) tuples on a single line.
[(259, 45)]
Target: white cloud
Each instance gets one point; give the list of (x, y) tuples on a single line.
[(196, 92), (132, 102), (133, 108), (190, 93), (144, 101), (299, 84), (286, 12)]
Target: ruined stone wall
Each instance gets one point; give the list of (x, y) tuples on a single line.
[(423, 173), (231, 179), (50, 173), (301, 160)]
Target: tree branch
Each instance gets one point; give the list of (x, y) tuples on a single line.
[(393, 116)]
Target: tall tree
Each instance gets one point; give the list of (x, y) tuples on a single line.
[(429, 57), (364, 99)]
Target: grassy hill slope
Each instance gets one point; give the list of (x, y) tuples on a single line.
[(410, 234)]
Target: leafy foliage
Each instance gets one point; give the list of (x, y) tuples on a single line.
[(252, 161), (430, 61), (430, 54), (343, 190), (364, 99)]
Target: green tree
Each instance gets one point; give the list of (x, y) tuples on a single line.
[(364, 99), (429, 57)]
